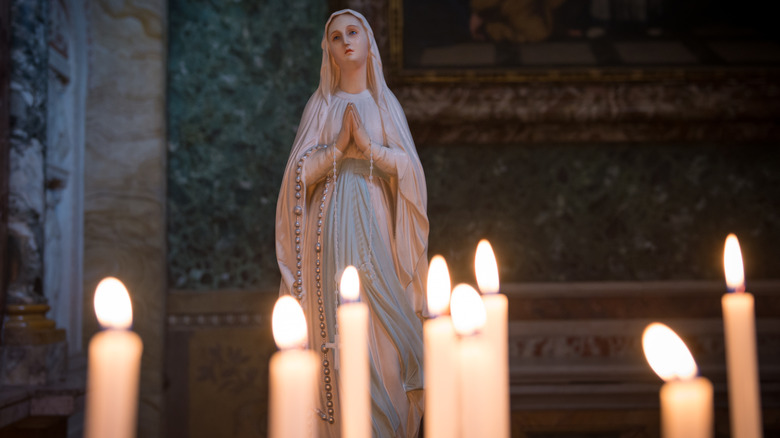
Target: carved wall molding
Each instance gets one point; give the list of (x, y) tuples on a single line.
[(725, 111), (215, 309), (574, 348), (578, 345), (201, 320), (593, 328), (579, 103)]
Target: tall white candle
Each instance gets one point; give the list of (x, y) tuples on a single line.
[(686, 400), (468, 317), (292, 374), (354, 377), (739, 326), (441, 400), (496, 334), (114, 366)]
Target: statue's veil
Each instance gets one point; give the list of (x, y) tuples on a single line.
[(329, 72)]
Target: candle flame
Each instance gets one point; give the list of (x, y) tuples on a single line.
[(667, 354), (486, 268), (439, 286), (467, 309), (112, 304), (350, 284), (732, 264), (288, 323)]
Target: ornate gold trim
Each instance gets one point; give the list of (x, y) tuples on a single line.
[(27, 316)]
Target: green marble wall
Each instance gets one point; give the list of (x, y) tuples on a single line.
[(609, 212), (239, 74)]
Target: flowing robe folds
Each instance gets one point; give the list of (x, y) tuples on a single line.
[(371, 217)]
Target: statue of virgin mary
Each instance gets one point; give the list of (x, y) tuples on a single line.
[(353, 193)]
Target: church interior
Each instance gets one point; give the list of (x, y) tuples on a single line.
[(605, 148)]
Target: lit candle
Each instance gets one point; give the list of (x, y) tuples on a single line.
[(686, 400), (354, 377), (740, 329), (292, 375), (468, 317), (441, 401), (496, 334), (114, 366)]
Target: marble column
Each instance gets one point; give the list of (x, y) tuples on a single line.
[(28, 138), (64, 217), (5, 61), (34, 351), (124, 176)]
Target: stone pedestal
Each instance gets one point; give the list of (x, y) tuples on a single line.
[(34, 351)]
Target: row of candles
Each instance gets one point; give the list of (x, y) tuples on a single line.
[(466, 362), (466, 359)]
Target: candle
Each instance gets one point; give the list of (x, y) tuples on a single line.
[(114, 366), (496, 334), (686, 400), (741, 359), (292, 376), (354, 377), (468, 317), (441, 401)]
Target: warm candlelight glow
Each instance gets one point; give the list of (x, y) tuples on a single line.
[(467, 309), (496, 340), (732, 264), (739, 326), (350, 284), (486, 268), (292, 373), (288, 323), (439, 286), (114, 366), (667, 354), (112, 304)]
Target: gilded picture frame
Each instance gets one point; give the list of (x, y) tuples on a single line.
[(595, 40)]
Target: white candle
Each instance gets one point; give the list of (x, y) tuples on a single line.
[(468, 317), (496, 334), (741, 358), (292, 377), (441, 396), (114, 366), (354, 377), (686, 400)]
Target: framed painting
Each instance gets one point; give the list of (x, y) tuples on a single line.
[(523, 40)]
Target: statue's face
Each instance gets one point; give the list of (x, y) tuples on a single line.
[(347, 41)]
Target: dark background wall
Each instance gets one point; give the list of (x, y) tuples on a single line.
[(618, 212), (239, 75)]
